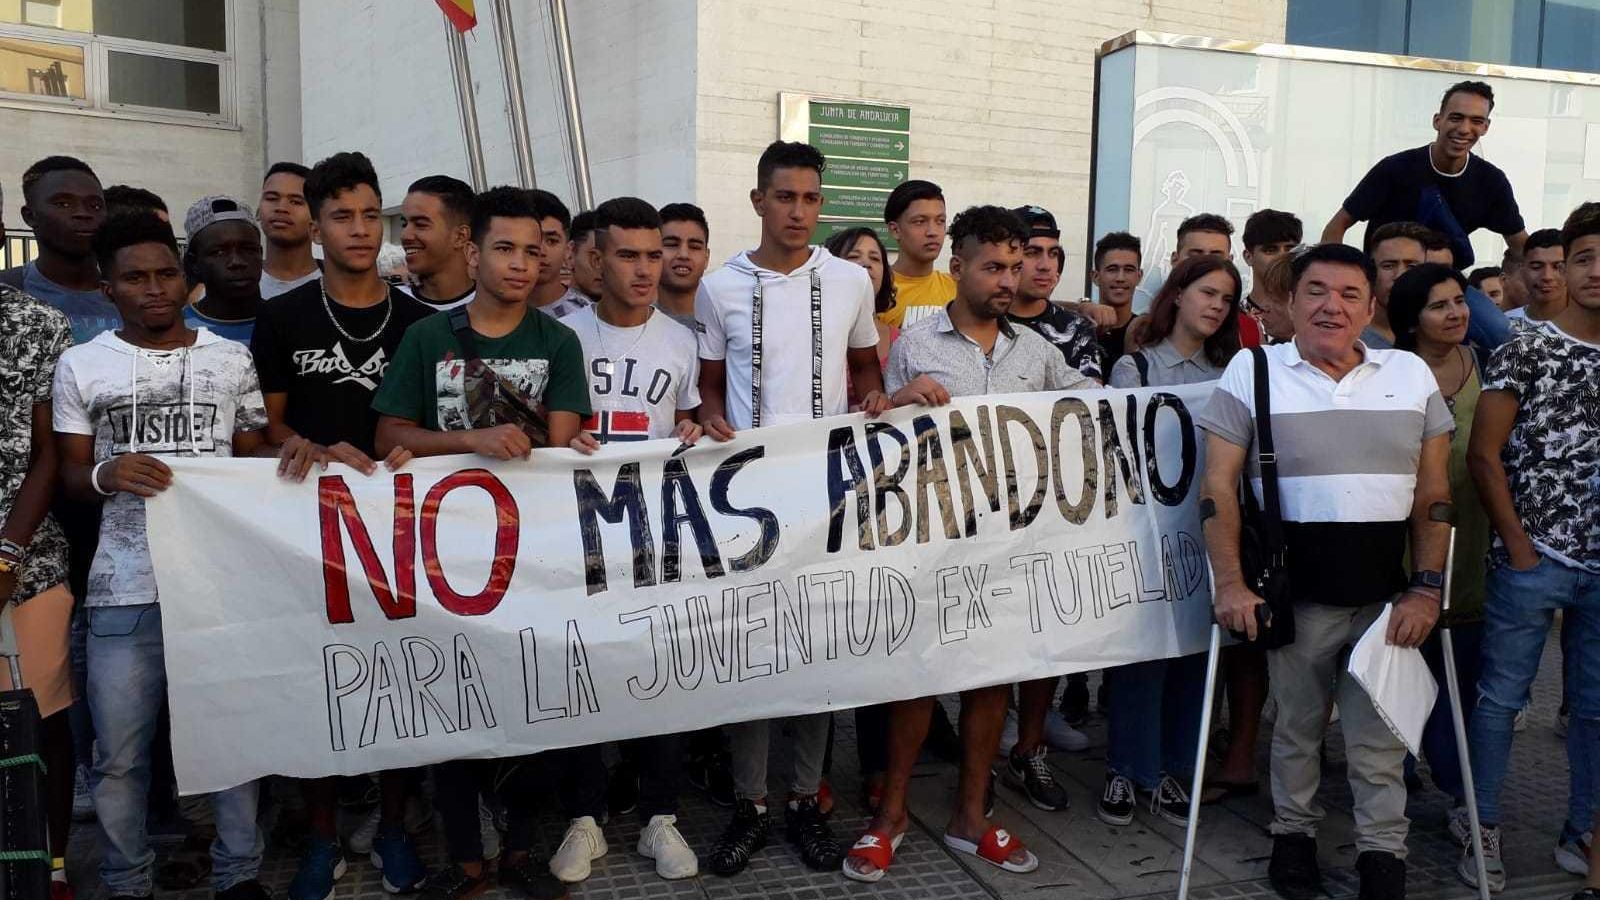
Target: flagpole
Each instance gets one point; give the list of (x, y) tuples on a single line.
[(466, 105), (511, 68), (569, 93)]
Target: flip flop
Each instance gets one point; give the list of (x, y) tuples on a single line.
[(875, 847), (995, 849)]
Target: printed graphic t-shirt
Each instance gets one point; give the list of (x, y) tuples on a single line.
[(917, 297), (1552, 455), (329, 379), (32, 339), (1070, 333), (638, 377), (89, 311), (185, 402), (427, 381)]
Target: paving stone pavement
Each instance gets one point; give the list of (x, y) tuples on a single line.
[(1080, 856)]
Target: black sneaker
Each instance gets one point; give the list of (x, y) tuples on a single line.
[(453, 883), (1170, 801), (622, 789), (1032, 776), (532, 881), (807, 828), (712, 772), (244, 890), (1075, 700), (1116, 802), (1383, 876), (743, 838), (1293, 870)]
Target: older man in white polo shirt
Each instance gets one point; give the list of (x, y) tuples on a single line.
[(1362, 438)]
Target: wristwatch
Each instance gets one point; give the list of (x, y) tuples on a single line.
[(1427, 578)]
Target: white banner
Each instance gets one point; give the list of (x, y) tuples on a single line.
[(471, 608)]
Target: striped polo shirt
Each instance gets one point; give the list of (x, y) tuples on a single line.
[(1348, 452)]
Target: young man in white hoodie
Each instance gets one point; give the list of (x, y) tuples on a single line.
[(150, 389), (802, 319)]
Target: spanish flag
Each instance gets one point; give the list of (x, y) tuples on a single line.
[(460, 13)]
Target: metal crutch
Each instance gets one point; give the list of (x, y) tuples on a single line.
[(1192, 827), (1442, 512)]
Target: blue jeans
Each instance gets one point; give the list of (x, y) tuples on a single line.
[(1439, 735), (1519, 608), (1154, 719), (1487, 326), (127, 681)]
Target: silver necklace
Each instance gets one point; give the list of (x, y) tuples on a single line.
[(609, 366), (327, 304)]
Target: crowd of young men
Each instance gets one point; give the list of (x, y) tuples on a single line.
[(526, 326)]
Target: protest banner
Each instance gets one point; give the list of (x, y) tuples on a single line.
[(470, 608)]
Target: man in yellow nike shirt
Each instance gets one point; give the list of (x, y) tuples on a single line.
[(915, 215)]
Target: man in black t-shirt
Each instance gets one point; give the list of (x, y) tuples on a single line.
[(321, 351), (1441, 185)]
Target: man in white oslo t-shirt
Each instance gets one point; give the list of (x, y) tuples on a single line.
[(786, 335), (643, 372)]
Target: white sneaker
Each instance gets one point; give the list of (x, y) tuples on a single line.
[(1467, 870), (1008, 735), (1572, 853), (1060, 735), (580, 847), (489, 834), (360, 842), (661, 842)]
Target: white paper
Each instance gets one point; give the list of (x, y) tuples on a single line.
[(1397, 679)]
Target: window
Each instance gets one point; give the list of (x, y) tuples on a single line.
[(1553, 34), (160, 59)]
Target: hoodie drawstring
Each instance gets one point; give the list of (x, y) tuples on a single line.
[(756, 303), (185, 374)]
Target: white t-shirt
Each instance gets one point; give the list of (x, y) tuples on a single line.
[(272, 286), (441, 305), (187, 402), (638, 377), (723, 307)]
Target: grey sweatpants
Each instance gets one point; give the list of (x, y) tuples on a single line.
[(750, 742), (1306, 677)]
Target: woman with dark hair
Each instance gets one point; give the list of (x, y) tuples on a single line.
[(865, 248), (1429, 314), (1154, 712), (1192, 329)]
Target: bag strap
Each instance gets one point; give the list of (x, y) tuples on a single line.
[(1143, 365), (757, 305), (462, 326), (1267, 460)]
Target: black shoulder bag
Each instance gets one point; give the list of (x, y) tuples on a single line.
[(1263, 554), (492, 400)]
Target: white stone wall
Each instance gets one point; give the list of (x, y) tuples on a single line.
[(376, 77), (181, 163), (1001, 91)]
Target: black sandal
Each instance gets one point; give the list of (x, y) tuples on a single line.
[(743, 838), (807, 827)]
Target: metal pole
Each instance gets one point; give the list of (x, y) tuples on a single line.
[(511, 68), (569, 94), (1197, 785), (1202, 744), (1452, 681), (466, 105)]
